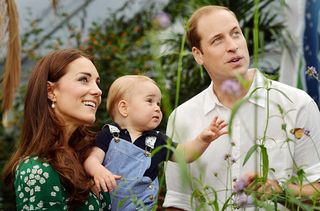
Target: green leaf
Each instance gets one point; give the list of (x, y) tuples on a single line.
[(249, 153), (265, 161)]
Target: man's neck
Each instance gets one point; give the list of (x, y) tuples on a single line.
[(228, 99)]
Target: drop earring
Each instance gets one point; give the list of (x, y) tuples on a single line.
[(53, 105)]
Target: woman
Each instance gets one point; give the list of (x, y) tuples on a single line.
[(46, 171)]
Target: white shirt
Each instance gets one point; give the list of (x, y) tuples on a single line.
[(190, 118)]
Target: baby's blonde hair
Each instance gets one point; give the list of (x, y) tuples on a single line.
[(120, 89)]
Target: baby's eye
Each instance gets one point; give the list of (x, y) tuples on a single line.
[(149, 100)]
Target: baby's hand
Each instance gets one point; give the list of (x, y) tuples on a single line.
[(105, 180), (214, 131)]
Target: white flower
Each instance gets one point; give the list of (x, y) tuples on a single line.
[(46, 175), (56, 188), (21, 195), (40, 204), (42, 181), (32, 199), (37, 188)]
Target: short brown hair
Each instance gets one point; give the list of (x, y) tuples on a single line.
[(120, 88), (193, 36)]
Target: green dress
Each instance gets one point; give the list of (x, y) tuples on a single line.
[(38, 187)]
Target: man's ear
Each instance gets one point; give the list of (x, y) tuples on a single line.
[(197, 55), (123, 108), (50, 90)]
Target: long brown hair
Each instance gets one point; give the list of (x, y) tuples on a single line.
[(42, 133)]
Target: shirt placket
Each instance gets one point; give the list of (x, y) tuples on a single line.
[(235, 149)]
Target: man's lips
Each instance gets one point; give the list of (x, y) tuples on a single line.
[(234, 59)]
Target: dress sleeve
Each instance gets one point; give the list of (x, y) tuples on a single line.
[(37, 187)]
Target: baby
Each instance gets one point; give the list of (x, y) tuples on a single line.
[(130, 150)]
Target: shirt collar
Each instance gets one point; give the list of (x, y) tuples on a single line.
[(211, 101), (258, 97)]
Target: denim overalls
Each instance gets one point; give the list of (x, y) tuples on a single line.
[(134, 191)]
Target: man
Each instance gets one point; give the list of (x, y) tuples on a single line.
[(281, 120)]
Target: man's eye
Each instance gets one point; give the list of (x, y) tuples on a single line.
[(236, 33), (215, 41)]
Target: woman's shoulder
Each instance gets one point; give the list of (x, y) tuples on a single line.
[(35, 166), (37, 185)]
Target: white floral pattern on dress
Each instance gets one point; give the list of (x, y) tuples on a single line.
[(38, 187)]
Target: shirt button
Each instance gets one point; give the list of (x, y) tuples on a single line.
[(150, 186), (151, 197)]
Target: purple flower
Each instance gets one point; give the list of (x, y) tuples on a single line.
[(239, 185), (242, 200), (306, 132), (163, 19), (312, 72), (231, 87)]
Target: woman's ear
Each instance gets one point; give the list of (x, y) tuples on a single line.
[(197, 55), (50, 90), (123, 108)]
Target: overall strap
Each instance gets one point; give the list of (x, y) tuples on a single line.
[(115, 132)]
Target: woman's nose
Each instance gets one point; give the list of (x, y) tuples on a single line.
[(96, 90)]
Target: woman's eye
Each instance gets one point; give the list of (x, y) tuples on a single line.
[(83, 79)]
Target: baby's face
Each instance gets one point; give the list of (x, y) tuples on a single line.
[(144, 111)]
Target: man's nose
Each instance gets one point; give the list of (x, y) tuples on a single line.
[(231, 45)]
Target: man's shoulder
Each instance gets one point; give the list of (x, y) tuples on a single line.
[(195, 101), (291, 92)]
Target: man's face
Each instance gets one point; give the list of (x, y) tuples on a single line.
[(224, 52)]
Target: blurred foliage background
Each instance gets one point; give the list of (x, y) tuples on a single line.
[(149, 42)]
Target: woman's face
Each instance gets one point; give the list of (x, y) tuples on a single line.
[(77, 94)]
